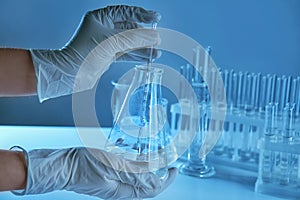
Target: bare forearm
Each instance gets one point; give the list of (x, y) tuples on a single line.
[(17, 77), (13, 170)]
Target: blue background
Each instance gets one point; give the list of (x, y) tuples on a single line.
[(251, 35)]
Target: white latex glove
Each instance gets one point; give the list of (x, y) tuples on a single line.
[(104, 35), (76, 169)]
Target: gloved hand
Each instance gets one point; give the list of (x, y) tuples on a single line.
[(104, 35), (92, 172)]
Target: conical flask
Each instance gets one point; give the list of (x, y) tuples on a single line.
[(139, 130)]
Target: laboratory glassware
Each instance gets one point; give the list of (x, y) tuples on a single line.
[(268, 157), (287, 133), (139, 131), (196, 166), (279, 166), (118, 96)]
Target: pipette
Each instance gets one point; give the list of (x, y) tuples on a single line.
[(154, 26)]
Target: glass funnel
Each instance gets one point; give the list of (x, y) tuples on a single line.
[(140, 130)]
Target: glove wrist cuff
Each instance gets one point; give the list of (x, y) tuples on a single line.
[(18, 148)]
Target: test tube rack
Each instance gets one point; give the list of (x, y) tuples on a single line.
[(285, 173), (237, 154), (279, 163)]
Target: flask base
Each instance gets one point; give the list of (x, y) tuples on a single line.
[(203, 171)]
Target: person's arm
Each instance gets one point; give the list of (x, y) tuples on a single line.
[(82, 170), (105, 35), (17, 76), (13, 170)]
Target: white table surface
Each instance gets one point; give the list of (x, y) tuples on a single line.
[(183, 188)]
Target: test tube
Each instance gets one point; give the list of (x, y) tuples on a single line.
[(293, 93), (268, 156), (220, 88), (269, 89), (240, 92), (287, 136), (230, 90), (206, 63), (245, 151), (253, 92), (212, 76), (283, 93), (249, 94), (226, 83), (217, 126), (273, 88), (271, 125), (288, 90), (235, 91), (189, 73), (254, 131), (278, 90), (196, 75), (228, 126), (246, 130), (262, 95), (181, 87), (298, 171), (298, 100), (288, 121), (244, 90), (257, 92)]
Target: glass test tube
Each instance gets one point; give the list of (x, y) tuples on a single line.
[(246, 130), (283, 93), (240, 92), (212, 81), (250, 94), (234, 91), (226, 85), (294, 87), (269, 89), (278, 90), (230, 90), (273, 88), (298, 99), (267, 156), (262, 95), (225, 77), (287, 137), (288, 90), (257, 92), (254, 130), (253, 91), (227, 133), (196, 60), (189, 72)]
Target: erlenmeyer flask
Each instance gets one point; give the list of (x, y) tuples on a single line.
[(120, 90), (139, 131)]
